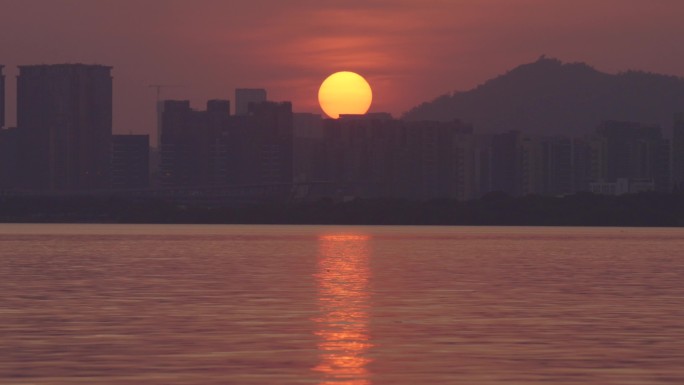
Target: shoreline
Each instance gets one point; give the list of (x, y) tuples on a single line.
[(495, 209)]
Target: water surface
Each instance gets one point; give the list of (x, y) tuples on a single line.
[(188, 304)]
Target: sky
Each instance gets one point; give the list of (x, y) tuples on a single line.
[(411, 51)]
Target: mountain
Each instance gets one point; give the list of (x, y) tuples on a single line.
[(552, 97)]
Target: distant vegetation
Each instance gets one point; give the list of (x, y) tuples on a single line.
[(551, 97), (582, 209)]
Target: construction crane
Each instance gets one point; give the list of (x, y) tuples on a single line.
[(159, 87)]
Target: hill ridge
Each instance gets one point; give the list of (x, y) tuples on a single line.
[(551, 97)]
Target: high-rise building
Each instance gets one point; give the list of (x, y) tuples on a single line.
[(505, 162), (360, 157), (66, 111), (530, 165), (12, 141), (307, 147), (558, 175), (180, 163), (377, 156), (245, 96), (193, 145), (130, 161), (2, 97), (632, 151), (678, 152), (267, 140)]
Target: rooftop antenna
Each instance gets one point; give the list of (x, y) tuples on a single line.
[(159, 88)]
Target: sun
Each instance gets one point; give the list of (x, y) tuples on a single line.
[(345, 93)]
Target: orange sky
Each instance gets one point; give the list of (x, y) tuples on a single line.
[(410, 50)]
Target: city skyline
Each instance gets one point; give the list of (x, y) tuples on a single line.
[(64, 142), (409, 51)]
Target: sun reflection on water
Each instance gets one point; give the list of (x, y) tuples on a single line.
[(343, 298)]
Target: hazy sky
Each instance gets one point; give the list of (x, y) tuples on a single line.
[(410, 50)]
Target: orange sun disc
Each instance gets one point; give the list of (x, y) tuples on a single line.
[(345, 93)]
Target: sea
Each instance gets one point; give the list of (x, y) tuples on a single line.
[(344, 305)]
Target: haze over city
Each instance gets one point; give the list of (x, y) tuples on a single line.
[(352, 192), (410, 51)]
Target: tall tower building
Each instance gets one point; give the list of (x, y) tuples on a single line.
[(194, 149), (678, 152), (505, 164), (66, 112), (634, 152), (2, 97), (245, 96)]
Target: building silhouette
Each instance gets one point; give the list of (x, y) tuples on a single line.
[(194, 145), (359, 155), (307, 147), (12, 146), (376, 156), (130, 162), (213, 149), (65, 111), (632, 154), (678, 152), (63, 142), (264, 140), (505, 168), (558, 160), (2, 97), (245, 96)]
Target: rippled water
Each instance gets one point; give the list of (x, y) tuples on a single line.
[(152, 304)]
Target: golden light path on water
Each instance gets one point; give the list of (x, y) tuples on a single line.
[(343, 296)]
